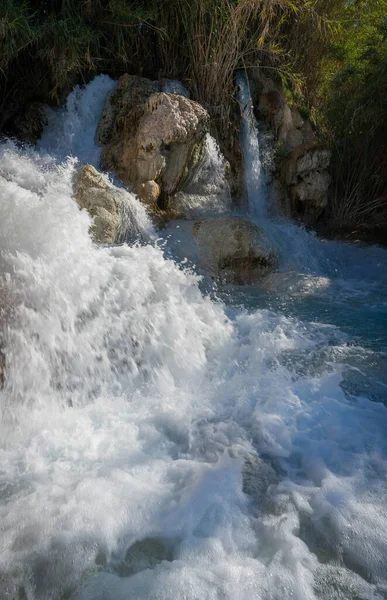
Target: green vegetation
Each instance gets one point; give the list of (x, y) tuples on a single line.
[(202, 41), (353, 110), (48, 45), (330, 55)]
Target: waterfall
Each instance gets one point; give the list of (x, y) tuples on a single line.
[(297, 249), (254, 176), (158, 443), (71, 128), (69, 140)]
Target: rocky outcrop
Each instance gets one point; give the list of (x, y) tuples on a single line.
[(149, 192), (312, 192), (96, 195), (124, 105), (233, 250), (117, 214), (301, 179), (308, 181), (290, 129), (151, 137), (208, 192), (104, 202)]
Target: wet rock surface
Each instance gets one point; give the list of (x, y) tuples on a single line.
[(151, 136), (300, 177), (233, 250), (93, 192), (105, 203)]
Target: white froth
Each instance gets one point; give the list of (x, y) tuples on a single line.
[(208, 193), (71, 129), (157, 444)]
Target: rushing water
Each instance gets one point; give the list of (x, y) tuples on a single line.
[(254, 176), (157, 443)]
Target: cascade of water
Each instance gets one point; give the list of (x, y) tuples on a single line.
[(254, 177), (157, 444), (71, 128), (71, 131), (296, 248), (208, 192)]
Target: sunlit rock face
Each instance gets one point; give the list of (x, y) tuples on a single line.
[(151, 136), (115, 214), (300, 179), (93, 192)]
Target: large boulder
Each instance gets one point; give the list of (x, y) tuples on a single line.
[(117, 215), (151, 136), (312, 192), (316, 159), (233, 250), (307, 180), (94, 193), (127, 100), (123, 104)]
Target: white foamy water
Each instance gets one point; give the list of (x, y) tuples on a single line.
[(156, 443), (71, 129), (254, 176), (208, 193)]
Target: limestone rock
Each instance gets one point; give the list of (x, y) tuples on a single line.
[(290, 129), (301, 179), (102, 201), (233, 249), (125, 100), (313, 188), (117, 214), (294, 139), (151, 136), (172, 127), (148, 192), (310, 196), (314, 160), (297, 166), (310, 139)]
